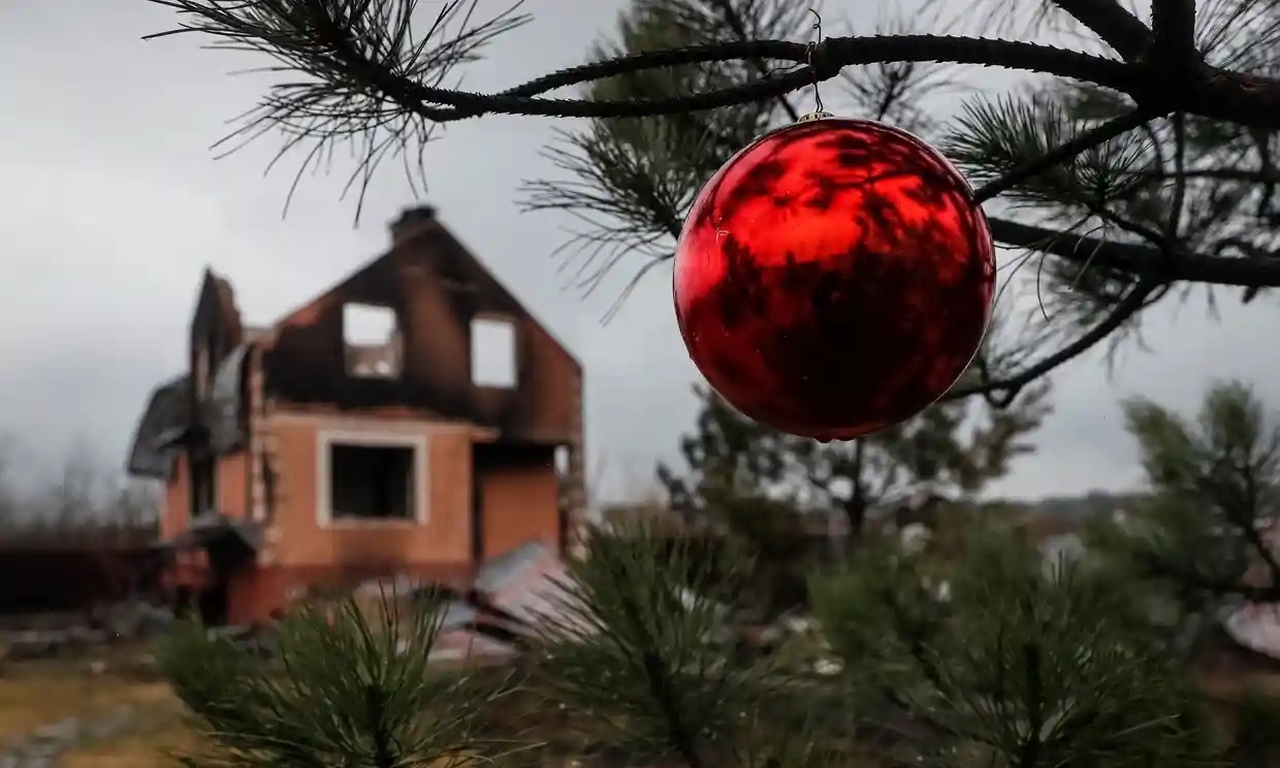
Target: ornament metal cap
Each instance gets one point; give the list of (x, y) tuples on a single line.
[(817, 114)]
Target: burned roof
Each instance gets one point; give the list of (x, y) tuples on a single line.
[(436, 289), (168, 411)]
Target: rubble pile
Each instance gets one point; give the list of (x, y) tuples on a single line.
[(512, 598), (119, 623)]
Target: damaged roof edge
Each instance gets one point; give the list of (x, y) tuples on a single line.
[(225, 410), (452, 239), (167, 409)]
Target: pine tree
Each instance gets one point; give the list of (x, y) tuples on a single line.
[(946, 453), (1204, 534), (777, 494), (737, 499), (1139, 168)]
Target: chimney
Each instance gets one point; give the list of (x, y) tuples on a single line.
[(411, 222)]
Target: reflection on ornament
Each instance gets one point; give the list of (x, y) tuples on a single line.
[(834, 278)]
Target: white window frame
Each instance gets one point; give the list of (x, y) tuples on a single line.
[(325, 440)]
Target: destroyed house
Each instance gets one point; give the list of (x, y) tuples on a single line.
[(412, 420)]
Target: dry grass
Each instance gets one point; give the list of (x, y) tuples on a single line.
[(42, 693), (35, 694), (152, 749)]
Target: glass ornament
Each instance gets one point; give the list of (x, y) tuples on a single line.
[(834, 278)]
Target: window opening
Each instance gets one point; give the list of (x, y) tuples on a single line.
[(372, 482)]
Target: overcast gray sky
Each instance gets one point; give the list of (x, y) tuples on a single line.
[(111, 205)]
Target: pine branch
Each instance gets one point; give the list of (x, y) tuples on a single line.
[(1062, 153), (1138, 259), (347, 685), (1022, 665), (1173, 27), (1111, 22), (635, 173), (388, 78), (304, 32), (1009, 388), (636, 645)]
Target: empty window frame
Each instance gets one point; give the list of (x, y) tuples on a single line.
[(367, 479), (371, 341), (493, 353)]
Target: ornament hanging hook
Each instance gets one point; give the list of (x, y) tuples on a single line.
[(819, 112)]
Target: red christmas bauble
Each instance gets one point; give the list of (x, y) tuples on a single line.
[(834, 278)]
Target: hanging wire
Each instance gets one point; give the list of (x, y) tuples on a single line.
[(819, 111)]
